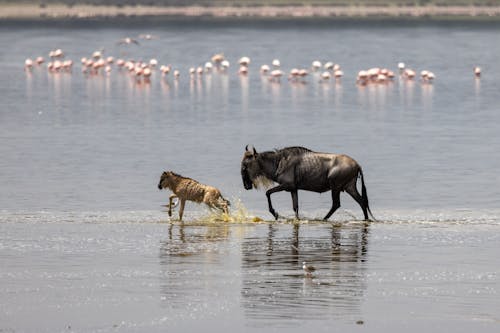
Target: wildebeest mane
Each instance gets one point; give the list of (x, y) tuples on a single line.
[(289, 151)]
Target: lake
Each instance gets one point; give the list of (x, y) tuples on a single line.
[(87, 246)]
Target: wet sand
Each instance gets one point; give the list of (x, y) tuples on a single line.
[(29, 11)]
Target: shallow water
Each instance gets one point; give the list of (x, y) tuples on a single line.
[(91, 276), (85, 244)]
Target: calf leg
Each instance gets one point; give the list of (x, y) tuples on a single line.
[(353, 192), (181, 209), (335, 203), (170, 199)]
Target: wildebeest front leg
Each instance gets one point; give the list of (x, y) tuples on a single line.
[(278, 188), (335, 203), (170, 199), (295, 203)]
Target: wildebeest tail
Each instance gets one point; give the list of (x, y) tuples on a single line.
[(364, 194)]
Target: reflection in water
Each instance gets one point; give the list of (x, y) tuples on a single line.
[(244, 92), (190, 260), (198, 271), (477, 87), (406, 88), (338, 96), (191, 240), (427, 96), (275, 287)]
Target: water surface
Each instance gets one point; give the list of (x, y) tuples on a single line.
[(85, 244)]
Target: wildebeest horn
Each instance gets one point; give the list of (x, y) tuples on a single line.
[(253, 149)]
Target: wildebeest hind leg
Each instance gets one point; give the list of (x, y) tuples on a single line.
[(353, 192), (295, 202), (335, 203)]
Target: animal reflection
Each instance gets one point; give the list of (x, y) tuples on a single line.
[(188, 254), (275, 284)]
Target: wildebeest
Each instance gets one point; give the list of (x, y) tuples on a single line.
[(189, 189), (299, 168)]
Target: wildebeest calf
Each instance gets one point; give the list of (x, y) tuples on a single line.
[(189, 189)]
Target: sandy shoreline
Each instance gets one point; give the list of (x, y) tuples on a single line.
[(54, 12)]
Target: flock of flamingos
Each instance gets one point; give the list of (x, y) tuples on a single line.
[(141, 71)]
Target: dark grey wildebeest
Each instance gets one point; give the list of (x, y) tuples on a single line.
[(299, 168)]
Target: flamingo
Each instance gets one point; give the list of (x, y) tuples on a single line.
[(477, 71), (28, 64), (244, 61), (409, 73), (208, 66), (427, 76), (146, 73), (294, 74), (67, 65), (316, 65), (276, 63), (224, 64), (120, 63), (164, 69), (56, 54), (362, 77), (325, 76), (275, 75), (57, 65), (217, 58), (329, 65), (128, 41), (338, 74), (97, 55), (147, 36), (264, 69), (401, 67)]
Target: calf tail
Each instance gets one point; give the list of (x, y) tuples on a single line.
[(364, 194)]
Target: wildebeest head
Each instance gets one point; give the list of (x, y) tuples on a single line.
[(165, 180), (250, 169)]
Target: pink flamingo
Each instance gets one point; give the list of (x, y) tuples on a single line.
[(477, 72)]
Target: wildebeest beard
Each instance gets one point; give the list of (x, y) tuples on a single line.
[(262, 182)]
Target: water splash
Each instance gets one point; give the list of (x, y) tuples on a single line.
[(238, 213)]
